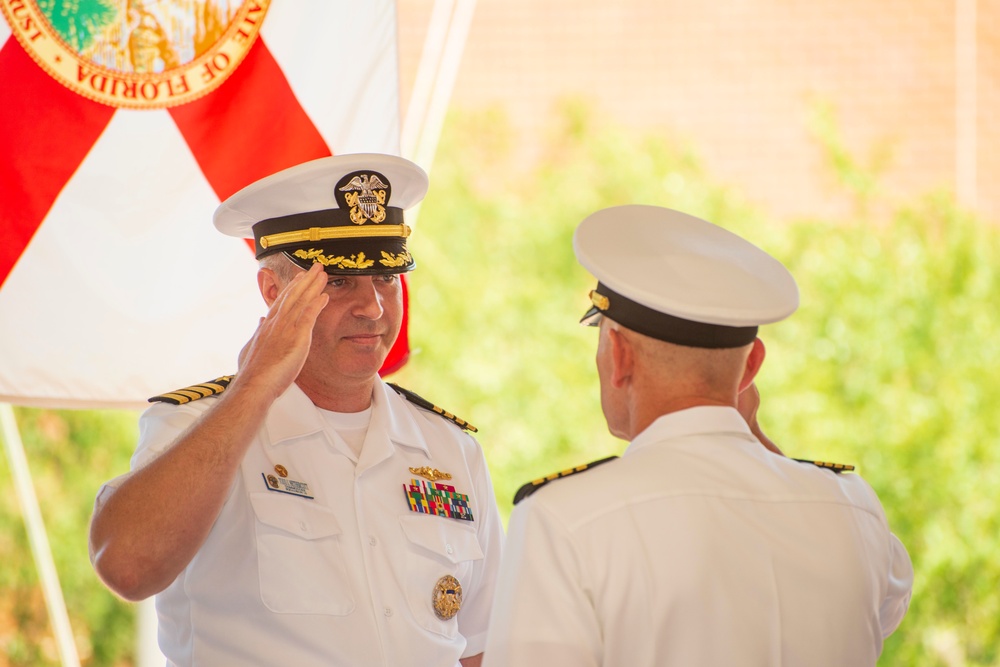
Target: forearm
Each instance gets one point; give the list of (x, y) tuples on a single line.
[(145, 532)]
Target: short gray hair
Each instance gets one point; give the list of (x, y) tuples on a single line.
[(280, 265)]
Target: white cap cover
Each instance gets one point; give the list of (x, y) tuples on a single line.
[(345, 212), (678, 278)]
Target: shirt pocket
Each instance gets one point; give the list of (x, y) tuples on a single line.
[(436, 547), (299, 557)]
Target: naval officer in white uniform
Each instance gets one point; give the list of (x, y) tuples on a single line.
[(304, 512), (700, 545)]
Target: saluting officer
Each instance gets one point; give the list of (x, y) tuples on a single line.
[(303, 511), (700, 545)]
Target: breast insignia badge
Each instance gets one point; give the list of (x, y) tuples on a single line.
[(432, 474), (447, 597)]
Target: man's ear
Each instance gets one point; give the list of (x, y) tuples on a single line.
[(268, 285), (754, 361), (622, 357)]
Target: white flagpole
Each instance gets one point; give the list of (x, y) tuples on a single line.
[(442, 55), (147, 649), (38, 538), (427, 68), (966, 106)]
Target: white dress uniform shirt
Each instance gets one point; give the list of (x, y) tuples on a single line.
[(345, 577), (699, 547)]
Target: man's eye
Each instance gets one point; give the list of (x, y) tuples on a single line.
[(389, 278), (336, 282)]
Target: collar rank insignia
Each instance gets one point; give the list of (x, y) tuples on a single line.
[(422, 402), (436, 498), (536, 484), (447, 597), (195, 391), (284, 485), (835, 467)]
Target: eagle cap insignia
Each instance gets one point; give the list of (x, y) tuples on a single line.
[(447, 597), (365, 194)]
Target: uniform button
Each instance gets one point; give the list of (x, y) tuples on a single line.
[(304, 526), (372, 541), (449, 549), (388, 612)]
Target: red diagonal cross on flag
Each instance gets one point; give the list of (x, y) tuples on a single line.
[(118, 144)]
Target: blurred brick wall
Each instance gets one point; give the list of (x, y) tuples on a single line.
[(740, 79)]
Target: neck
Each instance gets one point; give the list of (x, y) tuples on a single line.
[(346, 395), (641, 418)]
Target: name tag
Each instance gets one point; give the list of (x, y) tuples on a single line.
[(285, 485)]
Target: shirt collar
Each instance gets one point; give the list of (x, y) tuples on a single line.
[(293, 415), (700, 420), (395, 418), (391, 425)]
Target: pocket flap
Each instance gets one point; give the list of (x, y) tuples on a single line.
[(298, 516), (447, 538)]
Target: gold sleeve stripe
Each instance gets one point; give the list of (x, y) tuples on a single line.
[(194, 392)]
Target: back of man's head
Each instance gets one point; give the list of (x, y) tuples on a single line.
[(679, 301), (678, 278)]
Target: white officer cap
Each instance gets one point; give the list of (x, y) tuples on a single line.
[(345, 212), (680, 279)]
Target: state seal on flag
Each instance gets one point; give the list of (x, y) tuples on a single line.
[(148, 54)]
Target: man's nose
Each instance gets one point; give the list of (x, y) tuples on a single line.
[(368, 303)]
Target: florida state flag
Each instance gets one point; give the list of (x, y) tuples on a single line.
[(123, 123)]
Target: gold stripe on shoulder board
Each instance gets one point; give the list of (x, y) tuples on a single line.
[(536, 484), (422, 402), (194, 392), (835, 467)]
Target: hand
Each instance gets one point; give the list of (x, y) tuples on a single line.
[(246, 348), (275, 354), (747, 403)]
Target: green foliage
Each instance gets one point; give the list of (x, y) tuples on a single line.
[(886, 365), (70, 453), (498, 293)]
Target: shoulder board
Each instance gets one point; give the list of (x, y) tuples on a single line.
[(534, 485), (835, 467), (195, 391), (422, 402)]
